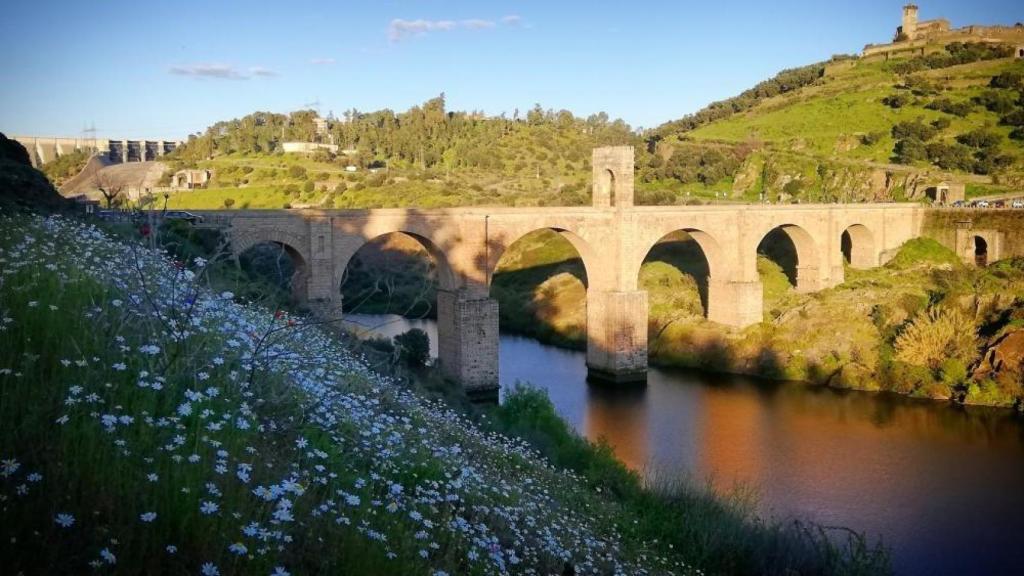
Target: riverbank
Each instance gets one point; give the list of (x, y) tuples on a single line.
[(923, 325)]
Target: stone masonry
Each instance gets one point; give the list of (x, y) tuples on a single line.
[(612, 238)]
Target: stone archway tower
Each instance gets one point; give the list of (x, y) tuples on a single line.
[(616, 311), (909, 27)]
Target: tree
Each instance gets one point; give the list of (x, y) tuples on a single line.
[(413, 347), (108, 187)]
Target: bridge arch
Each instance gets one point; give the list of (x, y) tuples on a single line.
[(593, 275), (446, 279), (857, 244), (793, 248), (551, 287), (291, 246), (693, 252)]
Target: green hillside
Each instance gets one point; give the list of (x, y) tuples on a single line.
[(869, 129)]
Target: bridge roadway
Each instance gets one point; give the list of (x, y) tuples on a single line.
[(612, 238)]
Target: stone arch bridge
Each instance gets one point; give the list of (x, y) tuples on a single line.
[(612, 236)]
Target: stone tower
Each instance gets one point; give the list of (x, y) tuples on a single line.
[(909, 27), (613, 176)]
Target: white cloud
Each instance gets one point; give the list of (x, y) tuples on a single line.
[(477, 24), (261, 71), (322, 61), (220, 71), (400, 28)]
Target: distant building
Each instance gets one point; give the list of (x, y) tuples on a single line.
[(191, 179), (946, 192), (308, 147), (917, 37), (912, 29)]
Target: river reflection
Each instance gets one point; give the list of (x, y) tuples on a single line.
[(943, 486)]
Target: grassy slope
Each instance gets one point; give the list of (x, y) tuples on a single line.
[(130, 431), (816, 118)]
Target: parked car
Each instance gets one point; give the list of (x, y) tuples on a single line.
[(999, 204), (182, 215), (981, 204), (958, 204), (1017, 204)]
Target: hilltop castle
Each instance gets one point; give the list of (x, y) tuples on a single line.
[(913, 36)]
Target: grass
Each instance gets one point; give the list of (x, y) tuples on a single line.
[(184, 432), (101, 390)]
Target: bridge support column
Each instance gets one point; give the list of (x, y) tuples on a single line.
[(736, 304), (617, 336), (808, 279), (467, 341)]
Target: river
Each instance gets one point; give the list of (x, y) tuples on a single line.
[(942, 486)]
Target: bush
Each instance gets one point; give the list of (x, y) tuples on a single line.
[(1015, 118), (1012, 80), (998, 101), (896, 100), (950, 156), (872, 138), (308, 186), (942, 333), (229, 202), (941, 123), (913, 129), (297, 172), (413, 347), (909, 150), (961, 109), (980, 138)]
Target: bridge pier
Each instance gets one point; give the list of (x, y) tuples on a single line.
[(617, 336), (467, 340), (737, 304), (808, 279)]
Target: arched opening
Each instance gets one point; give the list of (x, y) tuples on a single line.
[(786, 259), (276, 273), (395, 273), (604, 193), (858, 247), (980, 252), (540, 283), (389, 286), (677, 273)]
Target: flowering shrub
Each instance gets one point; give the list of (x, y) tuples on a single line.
[(150, 425)]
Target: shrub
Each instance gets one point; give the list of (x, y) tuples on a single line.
[(913, 129), (909, 150), (229, 202), (941, 333), (872, 138), (308, 186), (297, 172), (1012, 80), (413, 347), (1015, 118), (961, 109), (941, 123), (896, 100), (950, 156), (998, 101), (980, 138)]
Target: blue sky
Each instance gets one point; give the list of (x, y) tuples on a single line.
[(165, 69)]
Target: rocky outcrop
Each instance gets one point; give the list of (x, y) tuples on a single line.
[(1003, 359)]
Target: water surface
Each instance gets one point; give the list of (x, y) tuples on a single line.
[(942, 486)]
